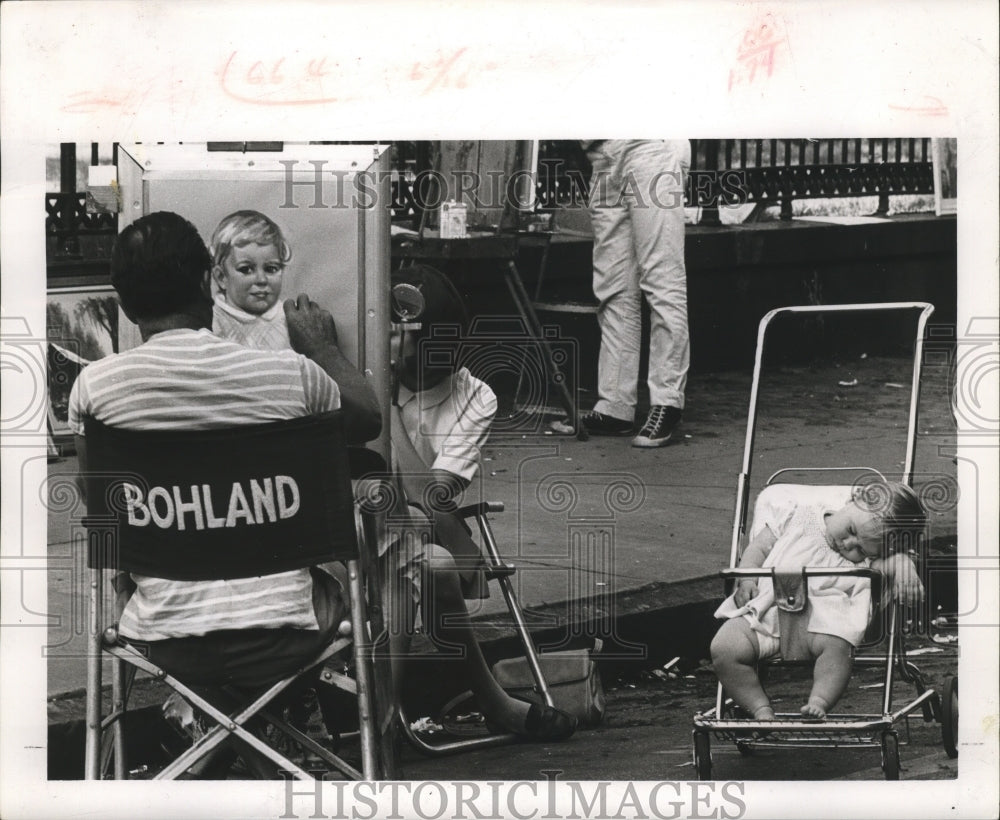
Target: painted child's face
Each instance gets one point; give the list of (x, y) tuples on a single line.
[(855, 533), (250, 277)]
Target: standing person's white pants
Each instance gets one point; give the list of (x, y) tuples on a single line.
[(637, 209)]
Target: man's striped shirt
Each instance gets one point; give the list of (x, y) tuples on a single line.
[(192, 379)]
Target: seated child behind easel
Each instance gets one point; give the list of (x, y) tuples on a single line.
[(444, 415), (249, 256), (839, 607), (440, 419)]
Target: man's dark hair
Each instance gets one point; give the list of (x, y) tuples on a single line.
[(158, 265)]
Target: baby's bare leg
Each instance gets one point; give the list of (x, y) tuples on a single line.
[(831, 673), (735, 652)]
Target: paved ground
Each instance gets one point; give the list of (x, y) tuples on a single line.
[(646, 735), (624, 544)]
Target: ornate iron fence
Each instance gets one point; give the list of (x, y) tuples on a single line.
[(77, 242), (765, 172), (723, 172), (779, 171)]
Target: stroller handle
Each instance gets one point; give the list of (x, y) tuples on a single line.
[(743, 481), (808, 572)]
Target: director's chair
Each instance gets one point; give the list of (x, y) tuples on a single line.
[(296, 511)]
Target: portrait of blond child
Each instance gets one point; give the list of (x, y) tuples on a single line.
[(865, 531), (249, 257)]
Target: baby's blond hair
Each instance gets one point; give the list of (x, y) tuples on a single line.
[(898, 506)]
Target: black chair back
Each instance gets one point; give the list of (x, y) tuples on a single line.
[(228, 503)]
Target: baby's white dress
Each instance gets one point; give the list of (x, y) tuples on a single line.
[(837, 605)]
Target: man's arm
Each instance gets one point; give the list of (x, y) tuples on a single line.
[(312, 333)]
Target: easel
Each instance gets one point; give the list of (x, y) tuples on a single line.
[(495, 230)]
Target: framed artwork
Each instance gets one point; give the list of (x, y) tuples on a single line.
[(944, 158), (81, 326)]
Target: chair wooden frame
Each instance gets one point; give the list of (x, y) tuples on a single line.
[(106, 534)]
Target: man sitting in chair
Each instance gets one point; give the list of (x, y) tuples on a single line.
[(248, 632)]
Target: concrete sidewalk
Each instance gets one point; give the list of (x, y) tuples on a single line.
[(602, 532)]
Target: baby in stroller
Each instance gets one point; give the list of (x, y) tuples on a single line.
[(867, 530)]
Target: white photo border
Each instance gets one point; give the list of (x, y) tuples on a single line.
[(75, 71)]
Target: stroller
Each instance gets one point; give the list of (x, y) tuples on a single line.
[(725, 720)]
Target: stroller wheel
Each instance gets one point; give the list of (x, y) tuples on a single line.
[(890, 755), (703, 755), (949, 716)]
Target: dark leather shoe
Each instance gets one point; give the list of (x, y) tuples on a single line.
[(601, 424), (595, 424), (546, 723)]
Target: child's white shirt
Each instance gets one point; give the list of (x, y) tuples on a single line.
[(449, 423), (267, 331)]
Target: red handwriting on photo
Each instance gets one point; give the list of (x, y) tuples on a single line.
[(928, 106), (756, 55), (278, 80), (446, 70), (289, 81), (129, 98)]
